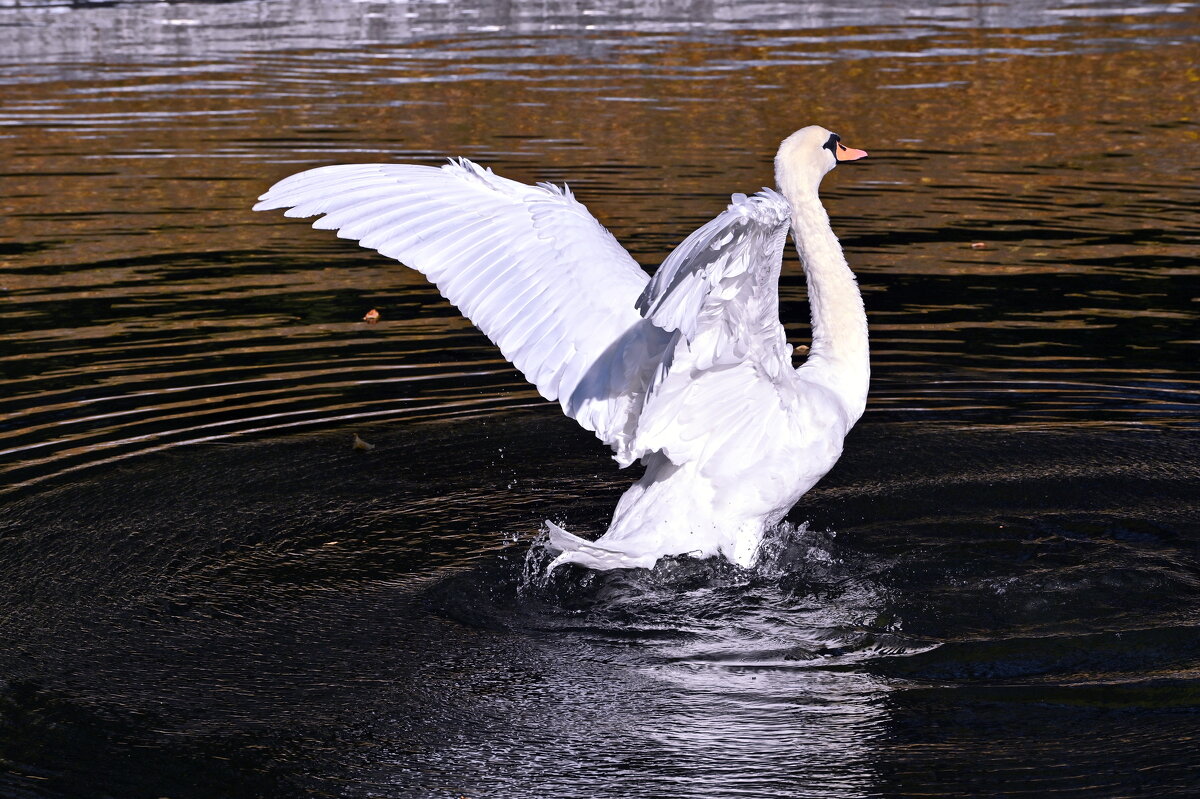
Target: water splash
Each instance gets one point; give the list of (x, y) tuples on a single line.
[(809, 602)]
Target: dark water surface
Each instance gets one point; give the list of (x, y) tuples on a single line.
[(206, 592)]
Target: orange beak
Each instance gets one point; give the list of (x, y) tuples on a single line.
[(848, 153)]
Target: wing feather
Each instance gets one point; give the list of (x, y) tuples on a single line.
[(720, 287), (527, 264), (719, 292), (649, 365)]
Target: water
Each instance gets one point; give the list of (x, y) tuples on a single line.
[(205, 591)]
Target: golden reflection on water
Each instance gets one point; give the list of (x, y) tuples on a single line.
[(183, 159), (1026, 186)]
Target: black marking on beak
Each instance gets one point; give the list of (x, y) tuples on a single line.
[(832, 145)]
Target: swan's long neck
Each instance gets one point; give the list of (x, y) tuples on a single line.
[(840, 355)]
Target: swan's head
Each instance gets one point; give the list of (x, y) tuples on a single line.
[(807, 156)]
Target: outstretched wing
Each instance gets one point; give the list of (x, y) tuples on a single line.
[(527, 264), (719, 290), (720, 287)]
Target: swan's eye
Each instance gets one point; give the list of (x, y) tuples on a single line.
[(832, 145)]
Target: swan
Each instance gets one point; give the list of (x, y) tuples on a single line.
[(688, 372)]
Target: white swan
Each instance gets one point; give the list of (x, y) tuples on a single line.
[(690, 371)]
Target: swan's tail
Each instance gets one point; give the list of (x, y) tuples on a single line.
[(589, 554)]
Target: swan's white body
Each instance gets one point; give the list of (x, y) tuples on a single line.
[(689, 372)]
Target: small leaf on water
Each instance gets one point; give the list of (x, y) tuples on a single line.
[(372, 317), (361, 445)]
